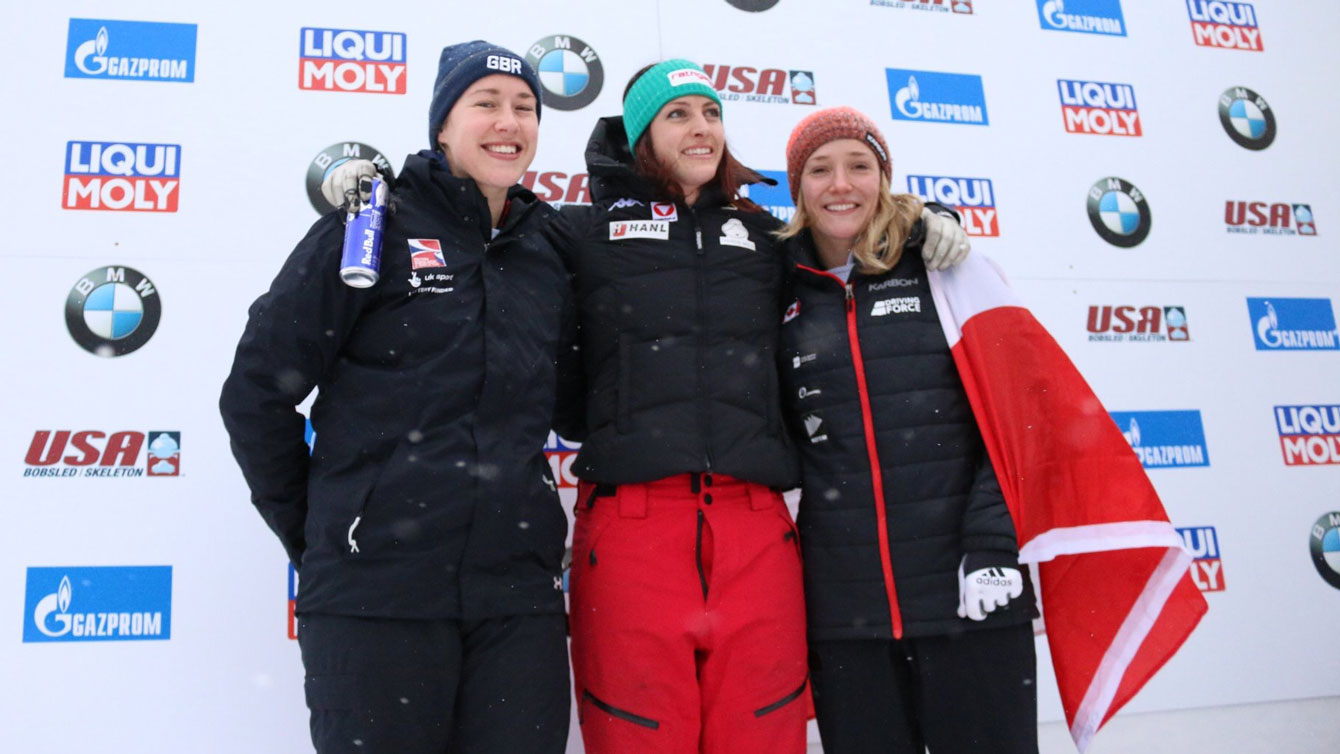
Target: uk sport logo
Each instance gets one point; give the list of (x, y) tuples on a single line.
[(114, 603), (130, 50), (1293, 324), (1269, 218), (1118, 212), (557, 187), (1084, 16), (1247, 118), (121, 177), (1207, 568), (1164, 439), (1229, 25), (743, 83), (1138, 324), (973, 198), (1095, 107), (937, 97), (351, 60), (1309, 435)]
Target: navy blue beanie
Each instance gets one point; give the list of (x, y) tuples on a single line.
[(462, 65)]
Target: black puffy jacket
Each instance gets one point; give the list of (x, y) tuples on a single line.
[(679, 317), (427, 494), (897, 484)]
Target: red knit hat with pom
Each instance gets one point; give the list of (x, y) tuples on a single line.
[(819, 128)]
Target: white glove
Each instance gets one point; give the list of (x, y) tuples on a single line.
[(341, 186), (945, 246), (984, 590)]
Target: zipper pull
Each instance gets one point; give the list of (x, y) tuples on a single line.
[(700, 239), (851, 296)]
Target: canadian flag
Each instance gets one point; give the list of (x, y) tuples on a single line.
[(1117, 597)]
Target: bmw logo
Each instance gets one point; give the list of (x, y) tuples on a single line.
[(336, 154), (1246, 118), (1325, 541), (1119, 212), (570, 71), (753, 6), (112, 311)]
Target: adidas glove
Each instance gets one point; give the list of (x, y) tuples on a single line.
[(983, 590)]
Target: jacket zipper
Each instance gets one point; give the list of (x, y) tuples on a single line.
[(700, 292), (872, 451)]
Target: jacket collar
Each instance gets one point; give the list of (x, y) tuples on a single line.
[(429, 174)]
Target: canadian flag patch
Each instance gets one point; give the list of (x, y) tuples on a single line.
[(792, 311)]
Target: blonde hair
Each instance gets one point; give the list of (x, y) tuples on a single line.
[(879, 247)]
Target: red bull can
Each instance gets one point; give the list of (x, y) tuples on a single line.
[(360, 264)]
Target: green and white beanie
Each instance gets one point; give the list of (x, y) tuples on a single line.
[(660, 84)]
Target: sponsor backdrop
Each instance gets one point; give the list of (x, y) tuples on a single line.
[(1158, 178)]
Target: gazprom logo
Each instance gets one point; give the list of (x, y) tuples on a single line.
[(937, 97), (1085, 16), (774, 199), (1293, 324), (1164, 439), (135, 50), (114, 603)]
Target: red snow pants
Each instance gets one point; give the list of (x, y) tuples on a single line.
[(688, 620)]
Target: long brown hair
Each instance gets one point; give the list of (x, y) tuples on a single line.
[(879, 247), (729, 178)]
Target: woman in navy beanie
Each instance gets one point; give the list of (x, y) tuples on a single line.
[(424, 524)]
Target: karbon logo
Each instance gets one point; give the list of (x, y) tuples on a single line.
[(1269, 218), (936, 97), (1247, 118), (1207, 568), (350, 60), (1325, 545), (1138, 324), (561, 454), (1232, 26), (121, 177), (570, 71), (1118, 212), (973, 198), (1084, 16), (113, 311), (1309, 435), (743, 83), (112, 603), (332, 156), (1094, 107), (1164, 439), (558, 188), (65, 453), (1293, 324), (775, 199), (941, 6), (133, 50)]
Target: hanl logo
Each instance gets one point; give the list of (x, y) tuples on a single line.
[(97, 454), (570, 71), (1086, 16), (561, 454), (1137, 324), (1309, 435), (973, 198), (292, 602), (1325, 546), (743, 83), (113, 311), (936, 97), (1094, 107), (1118, 212), (625, 229), (135, 50), (1207, 569), (334, 155), (1247, 118), (776, 198), (1293, 324), (1164, 439), (942, 6), (348, 60), (558, 188), (121, 177), (113, 603), (1215, 23), (1272, 219)]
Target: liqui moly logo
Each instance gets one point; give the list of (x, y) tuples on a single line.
[(1164, 439), (937, 97), (134, 50), (1309, 435), (558, 188), (1084, 16), (1215, 23), (973, 198), (117, 603), (1095, 107), (1293, 324), (1136, 324), (349, 60), (561, 454), (121, 177), (1207, 570), (1269, 218)]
